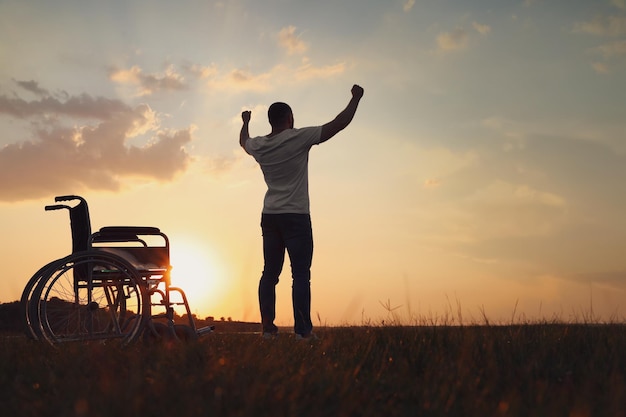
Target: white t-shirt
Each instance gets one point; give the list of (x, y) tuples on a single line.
[(284, 160)]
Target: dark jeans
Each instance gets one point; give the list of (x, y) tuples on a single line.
[(292, 232)]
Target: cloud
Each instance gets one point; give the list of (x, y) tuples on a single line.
[(459, 38), (511, 133), (408, 5), (615, 279), (81, 106), (482, 29), (243, 79), (613, 49), (218, 165), (620, 4), (606, 26), (89, 151), (293, 44), (308, 71), (200, 71), (147, 84), (612, 26), (501, 193), (247, 79), (503, 209), (432, 183), (33, 87), (455, 40), (600, 67)]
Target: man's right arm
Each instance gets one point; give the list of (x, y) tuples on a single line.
[(244, 135), (344, 118)]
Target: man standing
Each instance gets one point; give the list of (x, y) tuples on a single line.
[(283, 155)]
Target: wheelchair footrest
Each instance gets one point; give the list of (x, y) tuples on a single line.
[(205, 330)]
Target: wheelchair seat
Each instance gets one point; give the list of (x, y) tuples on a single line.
[(148, 260)]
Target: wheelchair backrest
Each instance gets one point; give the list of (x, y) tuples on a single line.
[(80, 223), (81, 226)]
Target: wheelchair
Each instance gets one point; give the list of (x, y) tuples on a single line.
[(114, 287)]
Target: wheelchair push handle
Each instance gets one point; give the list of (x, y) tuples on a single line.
[(57, 207), (67, 198)]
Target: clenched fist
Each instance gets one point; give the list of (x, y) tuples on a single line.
[(357, 91)]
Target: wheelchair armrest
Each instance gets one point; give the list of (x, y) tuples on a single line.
[(129, 230), (136, 234), (114, 237), (57, 207)]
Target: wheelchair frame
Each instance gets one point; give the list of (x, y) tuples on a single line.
[(108, 288)]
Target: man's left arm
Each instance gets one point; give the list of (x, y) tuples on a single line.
[(244, 135)]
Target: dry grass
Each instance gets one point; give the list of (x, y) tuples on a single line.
[(519, 370)]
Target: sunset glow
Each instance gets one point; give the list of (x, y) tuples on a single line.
[(199, 273)]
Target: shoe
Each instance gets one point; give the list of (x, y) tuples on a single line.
[(269, 335), (310, 336)]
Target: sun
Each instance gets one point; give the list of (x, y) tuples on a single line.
[(198, 272)]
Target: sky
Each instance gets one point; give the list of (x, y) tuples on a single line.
[(482, 178)]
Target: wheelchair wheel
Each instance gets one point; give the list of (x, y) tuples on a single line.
[(89, 296), (29, 307)]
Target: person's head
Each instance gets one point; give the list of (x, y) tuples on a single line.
[(280, 115)]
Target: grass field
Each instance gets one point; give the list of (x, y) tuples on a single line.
[(518, 370)]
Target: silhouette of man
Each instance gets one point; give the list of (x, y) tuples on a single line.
[(283, 156)]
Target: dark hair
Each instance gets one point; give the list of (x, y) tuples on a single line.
[(278, 113)]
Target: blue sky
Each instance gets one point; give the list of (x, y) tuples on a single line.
[(485, 165)]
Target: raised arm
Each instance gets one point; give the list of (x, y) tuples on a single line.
[(344, 118), (244, 135)]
